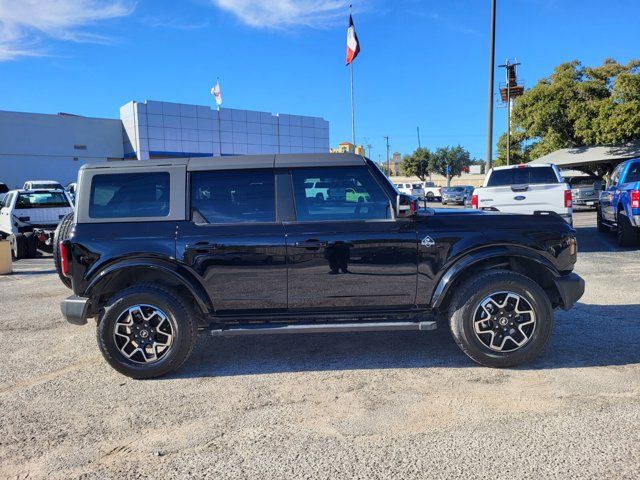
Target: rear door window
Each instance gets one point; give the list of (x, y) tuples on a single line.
[(522, 176), (238, 196), (130, 195)]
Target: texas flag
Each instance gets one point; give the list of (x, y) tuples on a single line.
[(353, 46)]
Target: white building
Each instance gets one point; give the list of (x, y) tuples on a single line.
[(41, 146)]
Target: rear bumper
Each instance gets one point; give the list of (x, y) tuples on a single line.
[(75, 309), (571, 288)]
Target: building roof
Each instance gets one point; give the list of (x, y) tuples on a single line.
[(591, 156)]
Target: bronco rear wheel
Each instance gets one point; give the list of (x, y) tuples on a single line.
[(500, 318), (146, 331)]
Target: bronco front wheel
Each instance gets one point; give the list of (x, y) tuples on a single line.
[(500, 318), (146, 331)]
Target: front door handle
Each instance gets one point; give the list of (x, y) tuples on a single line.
[(203, 247), (311, 244)]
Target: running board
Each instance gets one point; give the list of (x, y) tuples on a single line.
[(234, 330)]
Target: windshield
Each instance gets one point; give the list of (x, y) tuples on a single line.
[(42, 200), (522, 176), (453, 189)]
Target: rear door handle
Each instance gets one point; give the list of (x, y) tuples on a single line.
[(311, 244)]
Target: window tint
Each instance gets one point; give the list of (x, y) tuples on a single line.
[(520, 176), (41, 200), (242, 196), (127, 195), (633, 174), (351, 194)]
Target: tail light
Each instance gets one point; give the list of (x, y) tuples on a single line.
[(64, 259), (568, 199), (474, 201), (635, 198)]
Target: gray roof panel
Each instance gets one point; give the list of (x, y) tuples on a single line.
[(589, 156)]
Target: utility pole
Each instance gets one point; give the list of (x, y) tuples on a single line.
[(388, 163), (510, 70), (492, 47), (418, 129), (369, 150)]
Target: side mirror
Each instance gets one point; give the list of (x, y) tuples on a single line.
[(406, 206)]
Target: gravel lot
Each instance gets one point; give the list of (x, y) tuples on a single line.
[(376, 405)]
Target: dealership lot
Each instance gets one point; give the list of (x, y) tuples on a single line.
[(374, 405)]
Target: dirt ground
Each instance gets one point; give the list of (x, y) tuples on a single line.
[(375, 405)]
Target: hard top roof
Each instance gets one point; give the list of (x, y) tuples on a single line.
[(234, 162)]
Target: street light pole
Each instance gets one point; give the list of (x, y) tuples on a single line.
[(388, 163), (492, 47)]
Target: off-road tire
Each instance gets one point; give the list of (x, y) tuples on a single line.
[(466, 300), (19, 246), (61, 234), (602, 228), (627, 235), (173, 305), (32, 245)]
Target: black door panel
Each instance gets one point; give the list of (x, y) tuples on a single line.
[(242, 266), (352, 264)]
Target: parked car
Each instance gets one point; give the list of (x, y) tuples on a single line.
[(432, 191), (525, 189), (585, 190), (459, 195), (317, 188), (163, 250), (28, 218), (413, 189), (42, 185), (619, 205)]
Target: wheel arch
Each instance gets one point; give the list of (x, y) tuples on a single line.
[(118, 276), (521, 260)]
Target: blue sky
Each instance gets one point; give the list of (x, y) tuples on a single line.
[(423, 62)]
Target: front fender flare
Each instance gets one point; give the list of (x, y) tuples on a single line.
[(165, 267), (466, 261)]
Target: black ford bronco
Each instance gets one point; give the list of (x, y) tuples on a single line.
[(160, 250)]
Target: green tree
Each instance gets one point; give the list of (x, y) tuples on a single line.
[(450, 161), (576, 106), (417, 163)]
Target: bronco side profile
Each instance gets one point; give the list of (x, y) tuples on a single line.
[(160, 250)]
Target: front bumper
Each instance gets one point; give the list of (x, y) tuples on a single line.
[(75, 309), (571, 288)]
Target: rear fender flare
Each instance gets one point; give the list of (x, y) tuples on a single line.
[(164, 267), (469, 260)]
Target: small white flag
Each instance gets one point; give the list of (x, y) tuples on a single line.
[(215, 91)]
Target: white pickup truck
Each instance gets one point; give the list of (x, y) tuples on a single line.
[(28, 218), (526, 189)]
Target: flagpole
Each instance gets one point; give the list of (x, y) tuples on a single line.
[(353, 110), (353, 107)]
